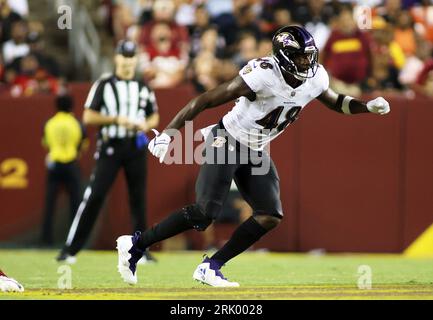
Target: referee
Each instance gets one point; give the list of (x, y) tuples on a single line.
[(124, 109)]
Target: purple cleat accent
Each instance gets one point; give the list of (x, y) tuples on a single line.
[(135, 252), (208, 272), (215, 265)]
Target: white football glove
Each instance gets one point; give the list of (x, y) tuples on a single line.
[(10, 285), (378, 105), (158, 146)]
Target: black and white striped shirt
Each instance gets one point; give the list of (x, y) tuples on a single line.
[(114, 97)]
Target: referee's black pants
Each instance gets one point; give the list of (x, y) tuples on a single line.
[(111, 157), (68, 176)]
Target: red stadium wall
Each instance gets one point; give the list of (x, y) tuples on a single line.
[(360, 183)]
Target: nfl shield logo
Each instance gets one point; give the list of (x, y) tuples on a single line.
[(293, 94)]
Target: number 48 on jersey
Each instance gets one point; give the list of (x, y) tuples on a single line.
[(270, 121)]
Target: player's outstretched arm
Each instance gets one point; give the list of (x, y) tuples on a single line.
[(349, 105), (222, 94)]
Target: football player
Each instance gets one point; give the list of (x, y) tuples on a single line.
[(8, 284), (270, 92)]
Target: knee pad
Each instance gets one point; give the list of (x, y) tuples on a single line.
[(270, 213), (196, 218), (268, 222)]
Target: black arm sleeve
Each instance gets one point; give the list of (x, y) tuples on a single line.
[(355, 105), (338, 103)]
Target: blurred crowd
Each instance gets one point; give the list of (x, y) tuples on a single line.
[(385, 48), (25, 66), (366, 45)]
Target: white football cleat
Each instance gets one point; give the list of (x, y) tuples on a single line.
[(9, 285), (129, 255), (208, 273)]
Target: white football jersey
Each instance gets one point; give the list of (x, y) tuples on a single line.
[(256, 123)]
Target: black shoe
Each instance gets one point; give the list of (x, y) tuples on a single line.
[(65, 257)]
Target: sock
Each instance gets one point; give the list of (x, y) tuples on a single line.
[(171, 226), (244, 237)]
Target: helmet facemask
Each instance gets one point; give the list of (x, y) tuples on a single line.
[(286, 60)]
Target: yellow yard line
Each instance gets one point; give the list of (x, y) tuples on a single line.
[(421, 292)]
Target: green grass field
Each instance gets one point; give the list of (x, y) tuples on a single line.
[(261, 276)]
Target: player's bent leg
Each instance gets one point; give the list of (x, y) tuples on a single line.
[(190, 217), (248, 233), (198, 218), (131, 248)]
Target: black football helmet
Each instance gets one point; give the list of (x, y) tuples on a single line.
[(291, 43)]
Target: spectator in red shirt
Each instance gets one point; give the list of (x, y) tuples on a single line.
[(164, 66), (346, 45), (32, 79), (163, 12)]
